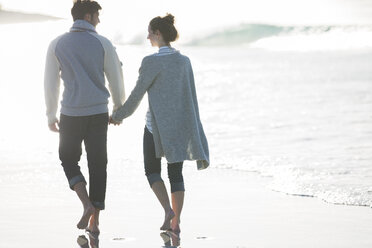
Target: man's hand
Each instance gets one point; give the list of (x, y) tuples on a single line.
[(54, 127), (116, 123)]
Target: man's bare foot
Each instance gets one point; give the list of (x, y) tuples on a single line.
[(168, 217), (83, 223), (94, 223)]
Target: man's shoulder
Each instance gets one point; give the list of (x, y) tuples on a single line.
[(53, 43), (104, 41), (56, 39)]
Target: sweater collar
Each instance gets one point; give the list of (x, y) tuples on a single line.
[(166, 49), (81, 26)]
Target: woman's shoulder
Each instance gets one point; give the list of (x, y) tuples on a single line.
[(183, 57), (155, 60), (148, 59), (150, 63)]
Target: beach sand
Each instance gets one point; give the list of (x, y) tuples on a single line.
[(223, 208)]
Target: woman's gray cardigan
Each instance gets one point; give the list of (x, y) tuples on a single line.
[(176, 126)]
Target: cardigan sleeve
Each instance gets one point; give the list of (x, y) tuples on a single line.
[(147, 74)]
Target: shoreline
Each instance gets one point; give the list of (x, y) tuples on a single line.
[(222, 209), (323, 200), (9, 17)]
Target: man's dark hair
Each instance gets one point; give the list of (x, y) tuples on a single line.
[(83, 7)]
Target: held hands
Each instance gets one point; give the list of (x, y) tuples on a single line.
[(115, 123), (54, 127)]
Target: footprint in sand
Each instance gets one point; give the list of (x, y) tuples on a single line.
[(122, 239), (204, 238)]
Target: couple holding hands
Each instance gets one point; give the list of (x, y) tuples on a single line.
[(83, 58)]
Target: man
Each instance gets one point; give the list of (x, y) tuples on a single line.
[(82, 58)]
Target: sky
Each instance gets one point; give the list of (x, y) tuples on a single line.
[(198, 16), (216, 12)]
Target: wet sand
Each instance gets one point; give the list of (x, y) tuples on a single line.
[(222, 209)]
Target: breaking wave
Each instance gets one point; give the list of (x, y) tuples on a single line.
[(289, 37)]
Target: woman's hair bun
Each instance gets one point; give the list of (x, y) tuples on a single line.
[(166, 27), (169, 18)]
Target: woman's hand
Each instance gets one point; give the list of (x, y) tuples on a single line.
[(116, 123)]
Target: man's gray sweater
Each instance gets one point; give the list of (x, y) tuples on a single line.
[(82, 58)]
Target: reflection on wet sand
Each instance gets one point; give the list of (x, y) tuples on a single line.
[(91, 242), (170, 239), (83, 241)]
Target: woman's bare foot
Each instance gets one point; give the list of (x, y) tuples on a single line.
[(175, 226), (175, 238), (88, 211), (176, 230), (167, 220)]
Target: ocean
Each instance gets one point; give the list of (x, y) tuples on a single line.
[(289, 103)]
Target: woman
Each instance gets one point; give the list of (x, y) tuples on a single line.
[(173, 129)]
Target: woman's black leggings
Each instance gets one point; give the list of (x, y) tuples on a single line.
[(153, 165)]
